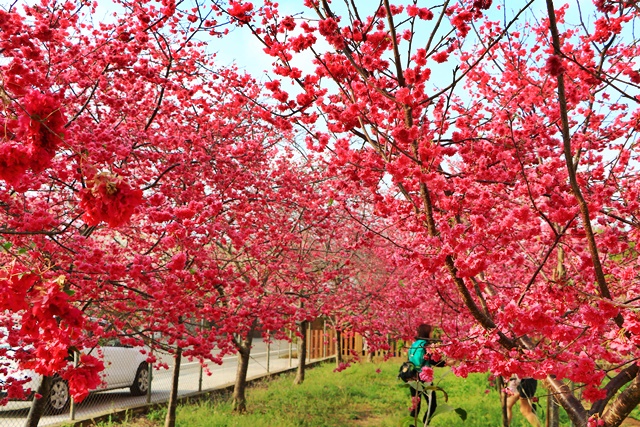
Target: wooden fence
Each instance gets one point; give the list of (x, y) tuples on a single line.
[(322, 344)]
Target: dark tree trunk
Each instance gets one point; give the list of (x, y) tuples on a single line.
[(613, 387), (571, 404), (302, 354), (503, 401), (622, 406), (38, 405), (553, 413), (239, 403), (170, 420)]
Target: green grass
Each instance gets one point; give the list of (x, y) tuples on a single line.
[(325, 399), (364, 395)]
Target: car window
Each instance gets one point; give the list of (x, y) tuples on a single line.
[(109, 342), (112, 342)]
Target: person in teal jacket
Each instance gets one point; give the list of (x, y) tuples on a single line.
[(419, 357)]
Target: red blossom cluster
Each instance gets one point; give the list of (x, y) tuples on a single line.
[(109, 198), (554, 66), (42, 323), (31, 135), (420, 12), (241, 11)]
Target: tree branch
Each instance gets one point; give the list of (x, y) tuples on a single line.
[(624, 403), (613, 386), (571, 168)]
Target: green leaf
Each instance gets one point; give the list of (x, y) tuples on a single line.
[(22, 250), (444, 408), (407, 422), (69, 292), (7, 245), (436, 388), (462, 413), (416, 385)]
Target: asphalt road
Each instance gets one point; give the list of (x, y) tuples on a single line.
[(192, 380)]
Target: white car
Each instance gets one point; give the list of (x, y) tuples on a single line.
[(124, 366)]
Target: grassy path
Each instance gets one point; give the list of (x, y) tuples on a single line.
[(364, 395)]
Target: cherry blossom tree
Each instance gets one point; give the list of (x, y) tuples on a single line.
[(122, 157), (136, 173), (503, 142), (273, 258)]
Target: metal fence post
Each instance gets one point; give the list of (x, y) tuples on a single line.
[(324, 338), (290, 348), (201, 367), (309, 340), (268, 351), (150, 379), (72, 409)]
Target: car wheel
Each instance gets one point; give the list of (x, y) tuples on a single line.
[(58, 398), (140, 384)]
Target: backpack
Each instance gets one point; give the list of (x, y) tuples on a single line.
[(417, 352), (408, 372), (410, 369)]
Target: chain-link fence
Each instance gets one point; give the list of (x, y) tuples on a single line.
[(139, 385)]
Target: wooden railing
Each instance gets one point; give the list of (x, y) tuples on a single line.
[(322, 344)]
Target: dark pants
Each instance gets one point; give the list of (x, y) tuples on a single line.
[(432, 403)]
